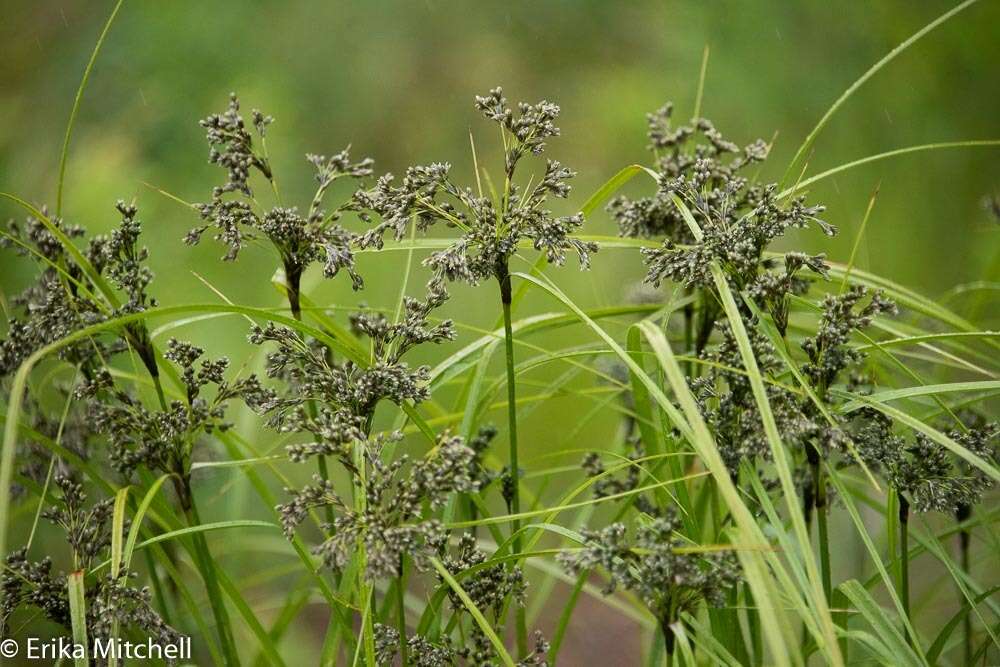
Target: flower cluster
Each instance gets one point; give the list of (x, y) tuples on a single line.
[(736, 239), (335, 401), (930, 476), (421, 651), (65, 298), (488, 587), (393, 522), (491, 227), (605, 483), (110, 601), (87, 530), (656, 565), (828, 351), (299, 239), (163, 439), (736, 219), (689, 157)]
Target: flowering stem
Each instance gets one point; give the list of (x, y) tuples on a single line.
[(506, 297), (904, 556), (293, 280), (401, 612), (138, 337), (669, 639), (689, 335), (819, 499), (203, 559), (962, 514)]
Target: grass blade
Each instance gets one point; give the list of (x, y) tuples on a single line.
[(481, 621), (76, 106), (78, 617), (846, 95)]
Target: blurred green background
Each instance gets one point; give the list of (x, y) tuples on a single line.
[(396, 80)]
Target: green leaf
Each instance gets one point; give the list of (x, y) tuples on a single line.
[(612, 186), (877, 617), (78, 615), (140, 514), (76, 105), (934, 652), (846, 95), (802, 185), (481, 621)]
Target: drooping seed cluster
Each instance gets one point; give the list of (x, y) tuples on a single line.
[(421, 652), (334, 401), (931, 477), (87, 530), (67, 296), (827, 351), (75, 434)]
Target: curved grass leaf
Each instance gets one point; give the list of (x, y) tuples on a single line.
[(481, 621), (846, 95)]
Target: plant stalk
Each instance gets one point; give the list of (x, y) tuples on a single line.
[(962, 515), (904, 556), (689, 336), (401, 613), (506, 297), (205, 563), (819, 499), (669, 639)]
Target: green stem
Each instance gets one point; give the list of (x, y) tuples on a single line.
[(689, 336), (503, 276), (158, 592), (293, 281), (159, 391), (904, 556), (819, 495), (962, 515), (669, 639), (401, 613), (205, 563)]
